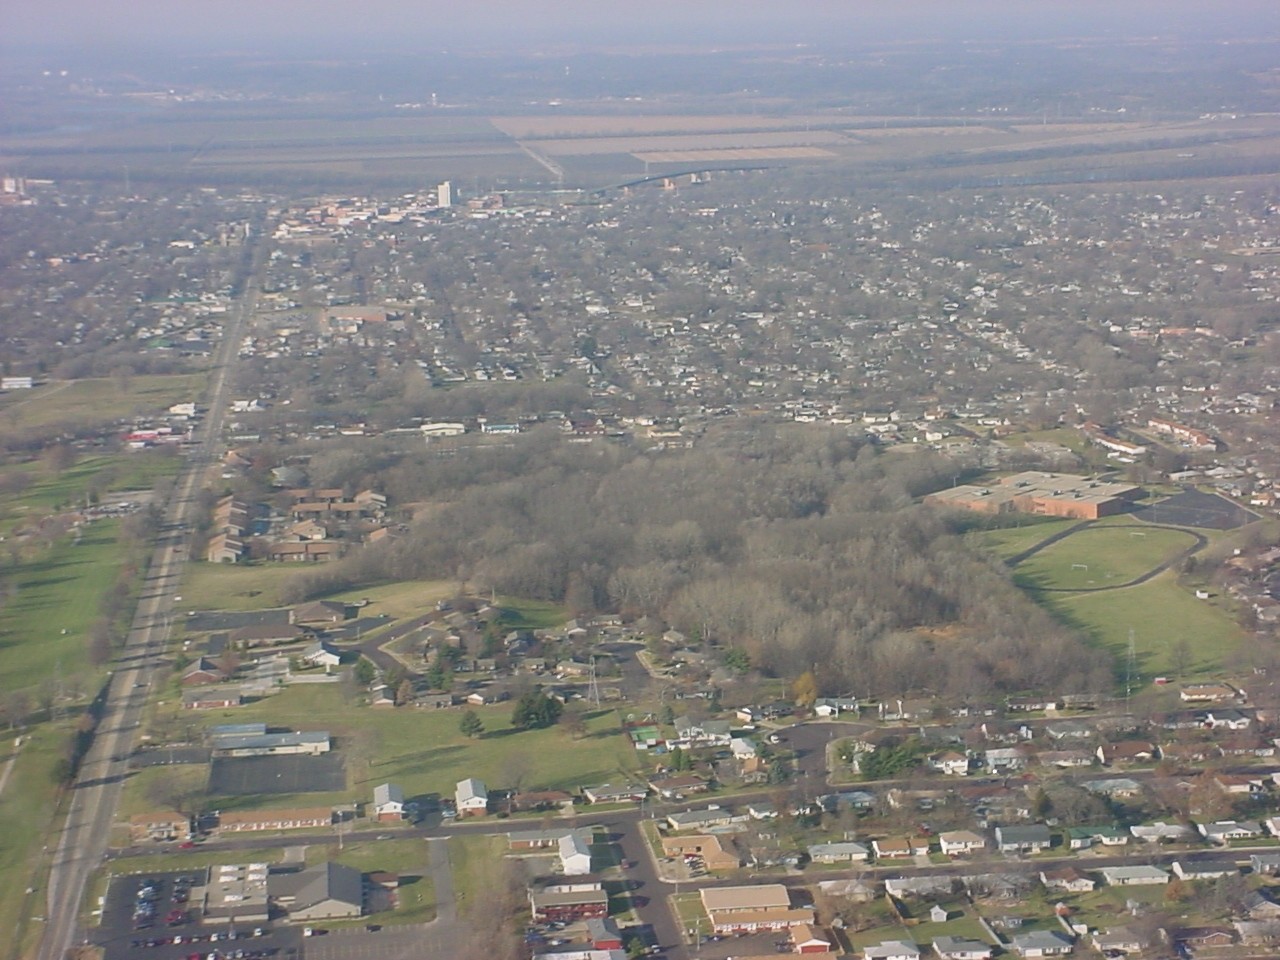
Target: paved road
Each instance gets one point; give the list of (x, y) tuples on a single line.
[(81, 845)]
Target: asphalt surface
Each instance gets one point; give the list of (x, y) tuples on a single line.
[(80, 846)]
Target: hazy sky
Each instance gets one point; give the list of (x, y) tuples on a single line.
[(329, 27)]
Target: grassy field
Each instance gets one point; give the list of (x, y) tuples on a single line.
[(45, 624), (1163, 615), (236, 586), (29, 811), (422, 751), (45, 490), (1011, 541), (1100, 556), (98, 401), (474, 861)]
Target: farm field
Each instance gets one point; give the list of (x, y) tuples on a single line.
[(1100, 556)]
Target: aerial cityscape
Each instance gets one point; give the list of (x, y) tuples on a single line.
[(547, 482)]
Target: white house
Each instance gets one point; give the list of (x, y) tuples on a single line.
[(893, 950), (956, 843), (1042, 943), (1134, 876), (958, 948), (320, 654), (744, 748), (388, 802), (471, 797), (575, 855)]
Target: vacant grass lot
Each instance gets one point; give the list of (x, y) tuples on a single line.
[(99, 401), (1100, 556), (45, 624), (1161, 614), (421, 750)]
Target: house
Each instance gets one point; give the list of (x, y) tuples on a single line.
[(834, 706), (1206, 692), (1005, 759), (1258, 932), (202, 671), (1265, 864), (471, 798), (160, 827), (1127, 751), (840, 852), (1029, 839), (1066, 878), (328, 891), (1119, 940), (1117, 788), (388, 802), (615, 793), (1197, 938), (1222, 831), (717, 853), (958, 948), (1259, 905), (1205, 869), (808, 938), (680, 785), (744, 748), (1161, 831), (1065, 759), (210, 698), (1082, 838), (1224, 718), (901, 847), (320, 654), (892, 950), (951, 763), (1042, 943), (575, 855), (1134, 876), (603, 933), (319, 611), (956, 843), (568, 902), (702, 733)]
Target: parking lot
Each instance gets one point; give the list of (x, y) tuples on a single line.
[(244, 776), (150, 917)]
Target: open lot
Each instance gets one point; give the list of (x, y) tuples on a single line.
[(423, 750), (1161, 614), (93, 402), (240, 776)]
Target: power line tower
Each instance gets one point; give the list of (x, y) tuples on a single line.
[(593, 688), (1128, 671)]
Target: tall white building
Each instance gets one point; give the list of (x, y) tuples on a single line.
[(444, 194)]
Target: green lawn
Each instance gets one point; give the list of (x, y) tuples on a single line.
[(28, 805), (1011, 541), (1161, 615), (474, 861), (48, 620), (422, 750), (239, 586), (1100, 556)]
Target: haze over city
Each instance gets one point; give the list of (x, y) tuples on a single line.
[(604, 480)]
